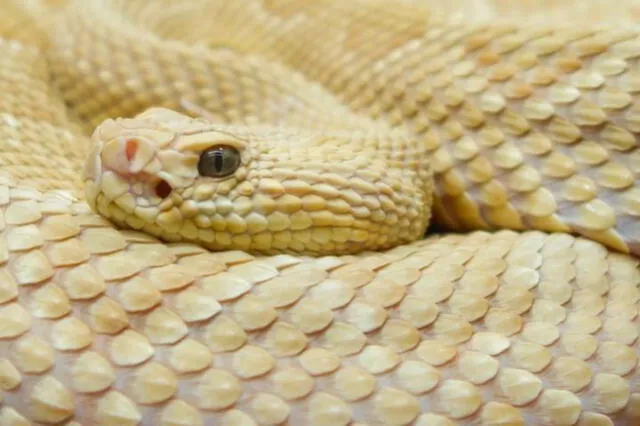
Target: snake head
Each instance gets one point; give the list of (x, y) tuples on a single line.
[(257, 188)]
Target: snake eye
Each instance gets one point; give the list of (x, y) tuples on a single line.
[(219, 161)]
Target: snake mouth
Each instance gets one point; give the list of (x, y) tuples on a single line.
[(163, 189)]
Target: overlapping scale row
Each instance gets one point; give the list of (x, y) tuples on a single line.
[(497, 327)]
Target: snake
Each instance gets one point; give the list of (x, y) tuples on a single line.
[(315, 212)]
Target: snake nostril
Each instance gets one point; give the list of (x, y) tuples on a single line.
[(163, 189)]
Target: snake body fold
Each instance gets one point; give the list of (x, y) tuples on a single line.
[(358, 124)]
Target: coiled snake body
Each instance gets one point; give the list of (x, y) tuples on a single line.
[(246, 242)]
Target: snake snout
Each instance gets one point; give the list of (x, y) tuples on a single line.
[(129, 155), (134, 159)]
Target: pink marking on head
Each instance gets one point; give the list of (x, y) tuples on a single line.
[(131, 148)]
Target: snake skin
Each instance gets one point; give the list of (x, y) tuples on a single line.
[(520, 140)]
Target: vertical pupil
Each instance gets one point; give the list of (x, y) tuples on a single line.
[(218, 160)]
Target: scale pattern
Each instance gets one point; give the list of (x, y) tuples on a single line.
[(526, 127), (107, 326)]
